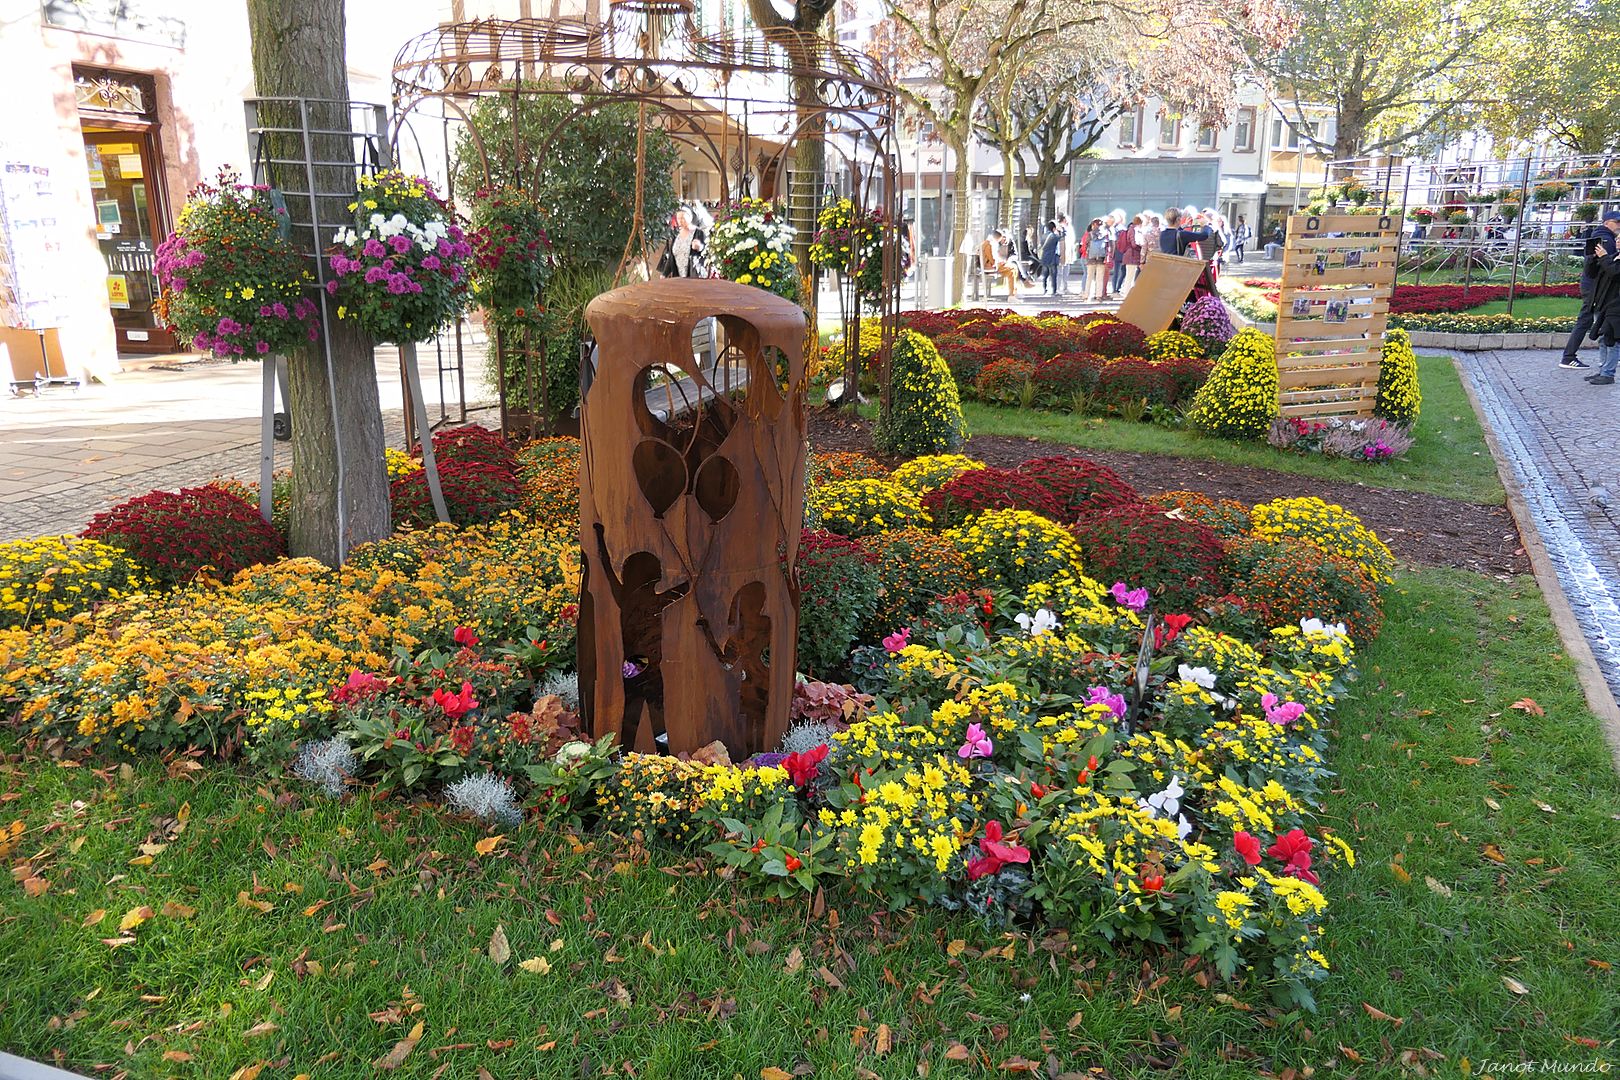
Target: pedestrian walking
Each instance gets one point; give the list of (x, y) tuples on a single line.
[(1597, 237), (1116, 226), (1240, 238)]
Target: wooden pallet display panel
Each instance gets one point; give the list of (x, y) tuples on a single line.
[(1334, 367)]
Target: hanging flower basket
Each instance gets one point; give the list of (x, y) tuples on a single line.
[(512, 258), (233, 284), (752, 244), (401, 269)]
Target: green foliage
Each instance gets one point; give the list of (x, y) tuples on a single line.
[(1399, 396), (1240, 399), (838, 590), (579, 165), (925, 414)]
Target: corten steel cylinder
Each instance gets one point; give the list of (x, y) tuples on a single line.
[(691, 498)]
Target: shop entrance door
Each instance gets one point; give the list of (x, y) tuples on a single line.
[(125, 174)]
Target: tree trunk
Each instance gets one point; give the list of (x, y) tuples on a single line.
[(959, 216), (1007, 189), (298, 51)]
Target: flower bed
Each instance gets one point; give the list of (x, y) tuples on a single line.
[(1440, 309), (1006, 760)]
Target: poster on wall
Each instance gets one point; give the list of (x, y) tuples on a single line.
[(31, 247), (92, 160), (118, 291)]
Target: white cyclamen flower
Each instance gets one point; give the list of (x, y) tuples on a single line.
[(1200, 675), (1042, 622)]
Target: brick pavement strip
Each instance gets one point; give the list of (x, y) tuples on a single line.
[(1559, 438), (62, 506)]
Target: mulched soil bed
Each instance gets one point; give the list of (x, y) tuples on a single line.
[(1422, 529)]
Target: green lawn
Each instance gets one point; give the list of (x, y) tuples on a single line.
[(1450, 457), (658, 970), (1532, 307)]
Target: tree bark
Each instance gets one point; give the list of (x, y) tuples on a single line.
[(298, 51), (1007, 188), (959, 215)]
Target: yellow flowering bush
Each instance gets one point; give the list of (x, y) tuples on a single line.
[(56, 577), (923, 474), (1330, 527), (925, 410), (857, 508), (1239, 400), (1173, 345), (400, 463), (1400, 399), (1016, 549)]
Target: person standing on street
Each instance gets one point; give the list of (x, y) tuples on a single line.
[(1240, 238), (1597, 237), (1067, 253), (1606, 312), (1051, 249)]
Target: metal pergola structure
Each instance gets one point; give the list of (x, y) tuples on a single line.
[(790, 88), (1500, 221)]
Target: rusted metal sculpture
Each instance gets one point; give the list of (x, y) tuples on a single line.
[(690, 505)]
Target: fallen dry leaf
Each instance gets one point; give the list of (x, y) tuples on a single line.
[(173, 910), (1379, 1014), (134, 917), (1493, 853), (247, 901), (771, 1072), (957, 1052), (263, 1027), (1435, 886), (795, 960), (249, 1072), (402, 1049), (1528, 705), (94, 917), (499, 951), (538, 966), (829, 978), (488, 844), (1515, 986), (885, 1039), (956, 947), (1492, 803)]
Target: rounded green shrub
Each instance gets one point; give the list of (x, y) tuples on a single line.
[(1239, 400), (1399, 396), (925, 411)]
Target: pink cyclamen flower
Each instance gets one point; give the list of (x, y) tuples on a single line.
[(1135, 599), (898, 640), (976, 745), (1101, 695), (1281, 714)]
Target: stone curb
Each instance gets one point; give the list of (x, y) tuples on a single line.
[(1433, 339), (1599, 697), (16, 1068)]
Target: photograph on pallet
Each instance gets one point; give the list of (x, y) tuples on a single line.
[(1333, 308)]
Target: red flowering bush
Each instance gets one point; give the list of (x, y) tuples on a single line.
[(1117, 338), (471, 444), (1078, 486), (978, 490), (1178, 561), (966, 356), (1134, 379), (1003, 380), (1279, 582), (473, 493), (1228, 517), (1059, 379), (1186, 375), (1038, 342), (175, 534)]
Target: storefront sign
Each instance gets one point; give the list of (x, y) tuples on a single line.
[(129, 166), (108, 217), (117, 291)]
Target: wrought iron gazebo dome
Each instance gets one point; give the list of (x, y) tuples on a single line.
[(591, 57)]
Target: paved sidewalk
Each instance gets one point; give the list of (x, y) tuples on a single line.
[(1562, 439), (65, 455)]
